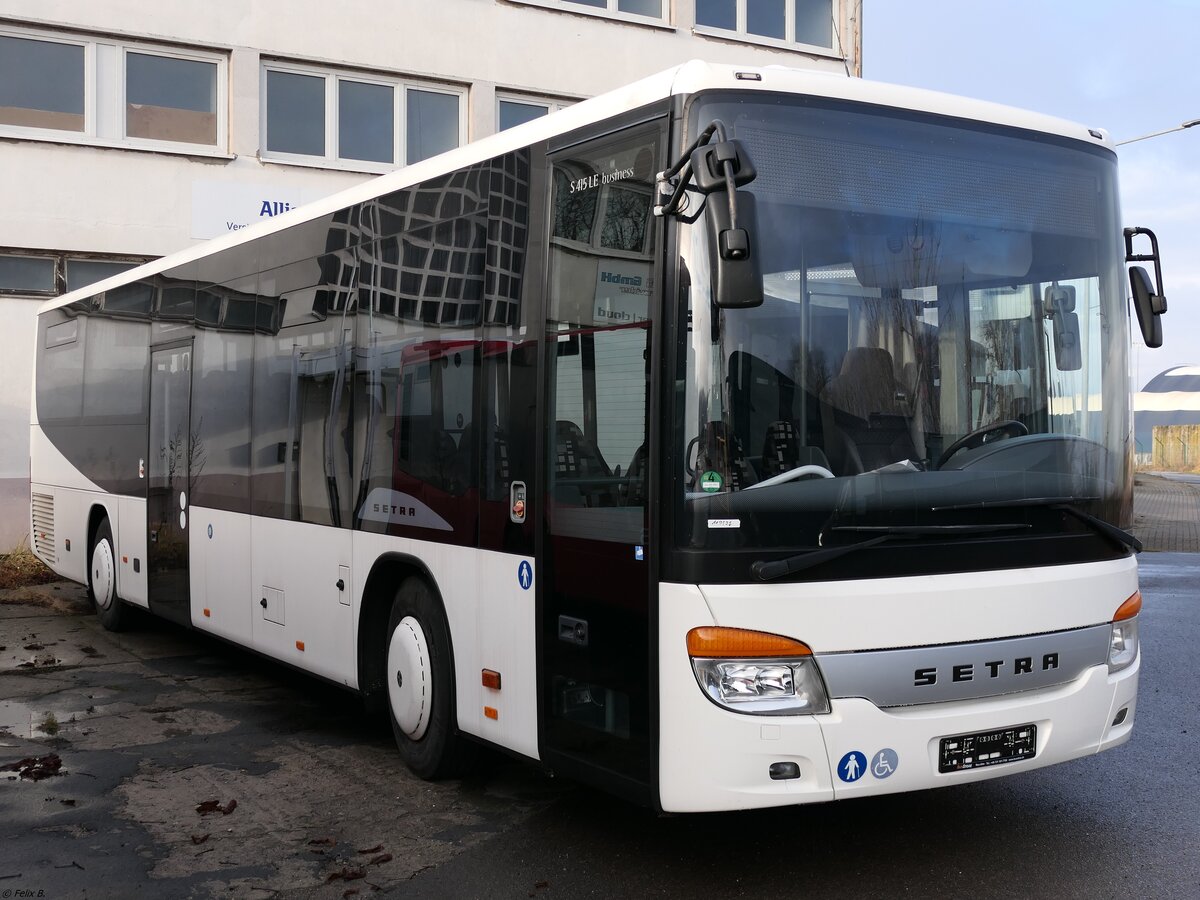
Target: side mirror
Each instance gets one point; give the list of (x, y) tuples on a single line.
[(736, 274), (1147, 303), (1148, 306), (708, 166), (1059, 303)]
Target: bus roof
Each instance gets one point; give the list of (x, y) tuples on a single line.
[(688, 78)]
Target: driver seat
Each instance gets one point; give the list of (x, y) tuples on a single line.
[(783, 452), (865, 413)]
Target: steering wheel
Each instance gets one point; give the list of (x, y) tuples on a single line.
[(1008, 428), (792, 475)]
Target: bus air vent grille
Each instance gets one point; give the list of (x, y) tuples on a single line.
[(43, 527)]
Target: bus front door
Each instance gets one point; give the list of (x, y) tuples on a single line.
[(169, 463), (595, 666)]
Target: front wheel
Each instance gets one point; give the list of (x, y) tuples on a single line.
[(420, 684), (102, 581)]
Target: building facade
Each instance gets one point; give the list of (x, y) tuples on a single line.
[(129, 131)]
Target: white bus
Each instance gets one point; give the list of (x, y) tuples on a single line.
[(743, 437)]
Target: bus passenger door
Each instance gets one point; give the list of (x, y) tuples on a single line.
[(595, 635), (168, 472)]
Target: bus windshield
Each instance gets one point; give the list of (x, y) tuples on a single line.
[(941, 343)]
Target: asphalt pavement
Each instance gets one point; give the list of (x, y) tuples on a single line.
[(190, 768)]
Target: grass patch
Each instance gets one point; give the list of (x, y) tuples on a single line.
[(20, 568)]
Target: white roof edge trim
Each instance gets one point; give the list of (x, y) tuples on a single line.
[(688, 78)]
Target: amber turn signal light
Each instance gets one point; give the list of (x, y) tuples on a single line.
[(1129, 608), (714, 642)]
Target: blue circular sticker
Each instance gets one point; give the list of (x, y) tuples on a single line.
[(885, 762), (852, 766), (525, 575)]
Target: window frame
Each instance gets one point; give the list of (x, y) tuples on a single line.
[(104, 95), (551, 105), (220, 78), (609, 11), (742, 36), (60, 261), (332, 78), (89, 89)]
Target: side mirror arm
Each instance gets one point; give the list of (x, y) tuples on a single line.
[(1158, 297)]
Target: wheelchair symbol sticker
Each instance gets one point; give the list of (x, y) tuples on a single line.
[(525, 575), (885, 762)]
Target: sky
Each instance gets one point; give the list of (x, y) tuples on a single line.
[(1130, 68)]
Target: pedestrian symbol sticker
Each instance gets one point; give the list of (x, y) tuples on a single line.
[(525, 575), (885, 762), (852, 766)]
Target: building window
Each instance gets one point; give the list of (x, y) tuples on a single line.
[(295, 113), (356, 121), (82, 272), (789, 21), (97, 91), (432, 123), (641, 9), (27, 274), (48, 274), (168, 98), (41, 84), (513, 111)]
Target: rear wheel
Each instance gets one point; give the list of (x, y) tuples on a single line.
[(420, 684), (102, 581)]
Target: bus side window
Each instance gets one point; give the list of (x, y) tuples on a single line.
[(598, 327)]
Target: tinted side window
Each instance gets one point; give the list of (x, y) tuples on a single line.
[(597, 322), (118, 357), (420, 299), (60, 366), (222, 380)]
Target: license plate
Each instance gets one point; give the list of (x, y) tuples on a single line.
[(987, 748)]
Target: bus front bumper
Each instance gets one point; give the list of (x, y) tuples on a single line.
[(712, 759)]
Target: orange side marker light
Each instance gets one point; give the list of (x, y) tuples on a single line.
[(491, 712), (207, 613), (300, 646), (491, 679)]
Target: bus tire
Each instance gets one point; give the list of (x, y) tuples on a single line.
[(419, 674), (102, 580)]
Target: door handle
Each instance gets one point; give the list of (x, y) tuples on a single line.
[(341, 585), (263, 602)]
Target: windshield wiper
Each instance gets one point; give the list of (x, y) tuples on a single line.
[(1112, 532), (768, 571), (1065, 504), (1015, 502)]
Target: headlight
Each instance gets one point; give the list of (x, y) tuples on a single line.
[(757, 673), (1123, 649), (1123, 646)]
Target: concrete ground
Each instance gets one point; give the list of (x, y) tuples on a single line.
[(168, 762), (191, 768)]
